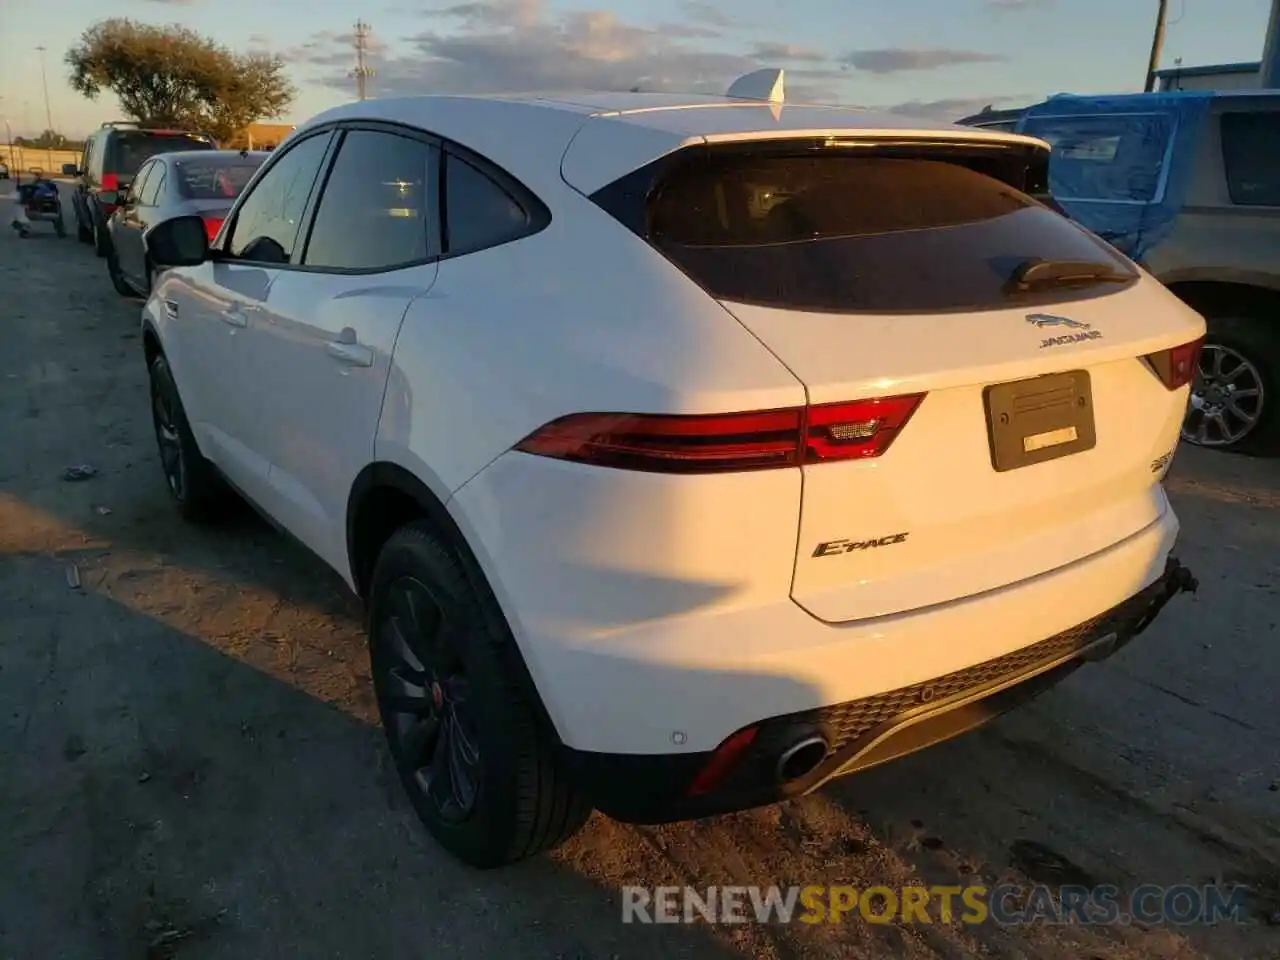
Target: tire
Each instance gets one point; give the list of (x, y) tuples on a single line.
[(83, 234), (60, 228), (1240, 363), (117, 278), (467, 676), (194, 484), (101, 239)]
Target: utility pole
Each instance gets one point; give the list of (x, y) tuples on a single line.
[(1270, 74), (48, 113), (1157, 44), (362, 72)]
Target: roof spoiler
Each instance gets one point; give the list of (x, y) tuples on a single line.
[(765, 86)]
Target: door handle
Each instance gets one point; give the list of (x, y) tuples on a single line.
[(354, 354), (235, 317)]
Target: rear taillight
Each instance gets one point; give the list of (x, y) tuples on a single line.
[(110, 181), (720, 443), (1176, 367), (211, 227)]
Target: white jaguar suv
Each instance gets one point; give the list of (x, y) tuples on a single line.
[(687, 452)]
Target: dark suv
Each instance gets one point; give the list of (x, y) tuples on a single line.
[(112, 155)]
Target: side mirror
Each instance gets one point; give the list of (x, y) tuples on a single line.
[(70, 170), (180, 242)]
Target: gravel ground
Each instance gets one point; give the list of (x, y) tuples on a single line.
[(191, 767)]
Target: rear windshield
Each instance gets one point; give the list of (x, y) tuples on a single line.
[(850, 233), (1117, 157), (217, 180), (131, 149)]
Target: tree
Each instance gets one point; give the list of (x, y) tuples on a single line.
[(172, 76)]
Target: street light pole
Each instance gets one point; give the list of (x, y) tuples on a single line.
[(48, 113)]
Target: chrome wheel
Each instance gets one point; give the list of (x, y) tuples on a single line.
[(423, 695), (1227, 397)]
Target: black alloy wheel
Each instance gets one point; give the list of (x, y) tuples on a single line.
[(424, 699)]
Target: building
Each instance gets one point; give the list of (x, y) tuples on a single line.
[(260, 136), (1223, 76)]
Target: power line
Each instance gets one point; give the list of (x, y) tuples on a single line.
[(362, 72)]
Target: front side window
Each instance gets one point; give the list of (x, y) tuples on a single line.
[(266, 225), (1250, 148), (375, 211)]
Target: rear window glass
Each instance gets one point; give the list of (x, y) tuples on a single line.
[(861, 234), (1116, 157), (219, 180), (132, 149)]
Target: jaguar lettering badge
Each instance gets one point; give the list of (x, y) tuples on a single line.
[(836, 547), (1042, 320)]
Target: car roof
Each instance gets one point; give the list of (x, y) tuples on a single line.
[(204, 156), (592, 138)]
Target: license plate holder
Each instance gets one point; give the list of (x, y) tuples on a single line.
[(1040, 419)]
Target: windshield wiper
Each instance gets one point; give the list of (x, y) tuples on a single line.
[(1039, 273)]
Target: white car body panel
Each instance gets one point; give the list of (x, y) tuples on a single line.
[(660, 613), (480, 364), (321, 401), (647, 606)]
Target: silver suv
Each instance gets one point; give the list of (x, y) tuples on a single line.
[(1188, 184)]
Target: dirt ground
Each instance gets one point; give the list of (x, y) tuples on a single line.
[(189, 765)]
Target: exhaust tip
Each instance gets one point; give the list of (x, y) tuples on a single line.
[(801, 759)]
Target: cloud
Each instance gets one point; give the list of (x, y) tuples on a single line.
[(899, 59), (486, 46), (173, 3), (787, 51), (1017, 6), (954, 108), (703, 12)]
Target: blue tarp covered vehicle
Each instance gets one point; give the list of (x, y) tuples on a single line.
[(1114, 163)]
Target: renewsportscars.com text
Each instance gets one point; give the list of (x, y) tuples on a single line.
[(1181, 905)]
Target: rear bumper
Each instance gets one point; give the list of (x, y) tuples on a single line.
[(863, 733)]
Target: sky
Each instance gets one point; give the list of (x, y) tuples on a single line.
[(940, 59)]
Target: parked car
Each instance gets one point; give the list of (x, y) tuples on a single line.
[(202, 183), (685, 459), (1189, 185), (4, 170), (112, 155)]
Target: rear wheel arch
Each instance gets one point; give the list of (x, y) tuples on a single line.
[(384, 498), (1220, 298)]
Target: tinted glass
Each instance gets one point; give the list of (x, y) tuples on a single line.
[(1250, 148), (478, 212), (1114, 157), (266, 227), (867, 234), (139, 184), (132, 148), (154, 185), (374, 211), (221, 179)]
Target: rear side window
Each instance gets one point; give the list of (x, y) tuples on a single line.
[(154, 186), (478, 212), (849, 233), (132, 148), (1250, 146), (1117, 157)]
